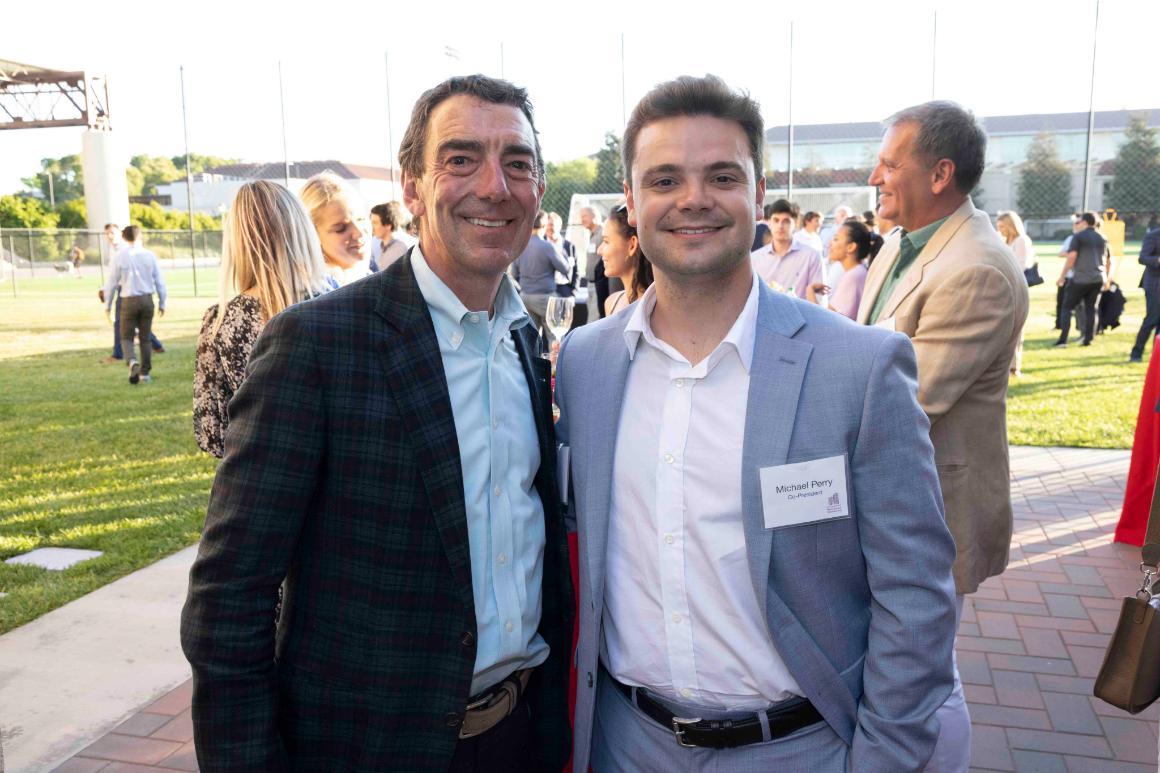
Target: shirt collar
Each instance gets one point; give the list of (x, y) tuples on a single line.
[(448, 312), (919, 237), (741, 335)]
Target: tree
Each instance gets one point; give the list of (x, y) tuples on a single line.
[(155, 170), (1044, 181), (25, 212), (72, 214), (199, 163), (564, 179), (68, 178), (1136, 184), (609, 167)]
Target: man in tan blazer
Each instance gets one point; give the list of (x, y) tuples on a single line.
[(946, 279)]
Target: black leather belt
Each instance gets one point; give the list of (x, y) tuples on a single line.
[(725, 733)]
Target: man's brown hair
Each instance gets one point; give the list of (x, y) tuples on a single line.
[(692, 96), (493, 90)]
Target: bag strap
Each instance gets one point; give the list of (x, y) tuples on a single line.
[(1151, 550)]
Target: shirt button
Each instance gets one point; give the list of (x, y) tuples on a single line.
[(508, 626), (468, 639), (495, 423), (668, 458), (496, 491), (686, 692), (668, 539), (502, 558), (680, 383), (676, 617), (473, 318)]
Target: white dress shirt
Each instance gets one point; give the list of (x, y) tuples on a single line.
[(681, 614)]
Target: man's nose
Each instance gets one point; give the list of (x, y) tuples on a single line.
[(491, 182), (695, 195)]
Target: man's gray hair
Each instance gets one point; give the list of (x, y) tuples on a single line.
[(596, 218), (948, 130)]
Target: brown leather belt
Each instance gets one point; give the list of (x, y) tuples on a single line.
[(489, 709)]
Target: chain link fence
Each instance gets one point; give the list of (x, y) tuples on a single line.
[(31, 253)]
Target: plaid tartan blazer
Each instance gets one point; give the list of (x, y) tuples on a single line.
[(342, 477)]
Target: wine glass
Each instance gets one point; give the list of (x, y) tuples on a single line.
[(558, 317)]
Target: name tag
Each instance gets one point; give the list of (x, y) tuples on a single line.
[(805, 492), (887, 324)]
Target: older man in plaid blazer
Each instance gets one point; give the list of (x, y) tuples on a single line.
[(391, 459)]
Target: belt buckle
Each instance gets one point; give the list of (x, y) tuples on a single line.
[(679, 731)]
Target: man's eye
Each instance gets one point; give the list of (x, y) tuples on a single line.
[(664, 182), (724, 179), (523, 166), (458, 161)]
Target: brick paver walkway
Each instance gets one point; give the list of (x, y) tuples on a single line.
[(1029, 647)]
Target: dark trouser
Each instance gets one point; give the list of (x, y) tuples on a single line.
[(117, 353), (506, 748), (1151, 322), (137, 315), (1060, 294), (1074, 294)]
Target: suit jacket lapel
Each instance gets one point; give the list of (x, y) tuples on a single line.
[(913, 277), (879, 270), (414, 369), (607, 390), (775, 381), (538, 373)]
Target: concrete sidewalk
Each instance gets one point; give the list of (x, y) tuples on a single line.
[(71, 676), (1029, 647)]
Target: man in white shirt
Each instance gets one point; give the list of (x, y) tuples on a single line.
[(785, 264), (764, 568), (807, 235)]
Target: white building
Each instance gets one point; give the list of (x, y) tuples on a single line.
[(214, 189), (843, 154)]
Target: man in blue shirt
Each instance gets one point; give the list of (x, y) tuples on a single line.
[(137, 274), (390, 460), (535, 270), (1150, 281)]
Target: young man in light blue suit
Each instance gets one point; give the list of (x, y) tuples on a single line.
[(765, 571)]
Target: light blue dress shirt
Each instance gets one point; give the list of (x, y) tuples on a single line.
[(500, 455), (136, 271)]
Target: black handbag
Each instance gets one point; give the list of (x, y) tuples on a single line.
[(1031, 275), (1129, 678)]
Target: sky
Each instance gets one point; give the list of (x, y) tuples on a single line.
[(850, 62)]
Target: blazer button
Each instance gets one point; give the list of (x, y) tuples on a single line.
[(468, 639), (453, 720), (589, 678)]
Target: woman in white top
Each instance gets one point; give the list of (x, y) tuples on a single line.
[(1010, 227), (623, 259), (334, 210), (851, 246)]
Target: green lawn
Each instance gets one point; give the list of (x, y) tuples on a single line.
[(88, 461), (1078, 396)]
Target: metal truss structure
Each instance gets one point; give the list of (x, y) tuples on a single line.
[(37, 98)]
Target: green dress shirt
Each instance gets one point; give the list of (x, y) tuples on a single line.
[(908, 251)]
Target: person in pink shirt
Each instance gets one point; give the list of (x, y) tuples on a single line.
[(784, 264), (852, 244)]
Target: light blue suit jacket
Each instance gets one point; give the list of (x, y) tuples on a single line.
[(862, 608)]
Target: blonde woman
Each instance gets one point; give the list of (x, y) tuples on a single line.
[(1010, 227), (271, 259), (335, 211)]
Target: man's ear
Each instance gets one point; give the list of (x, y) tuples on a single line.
[(760, 203), (411, 197), (942, 176), (629, 203)]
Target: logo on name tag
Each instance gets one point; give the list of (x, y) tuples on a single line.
[(834, 504)]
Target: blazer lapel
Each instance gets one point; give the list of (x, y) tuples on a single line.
[(538, 373), (607, 390), (414, 369), (775, 382), (879, 270), (913, 277)]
